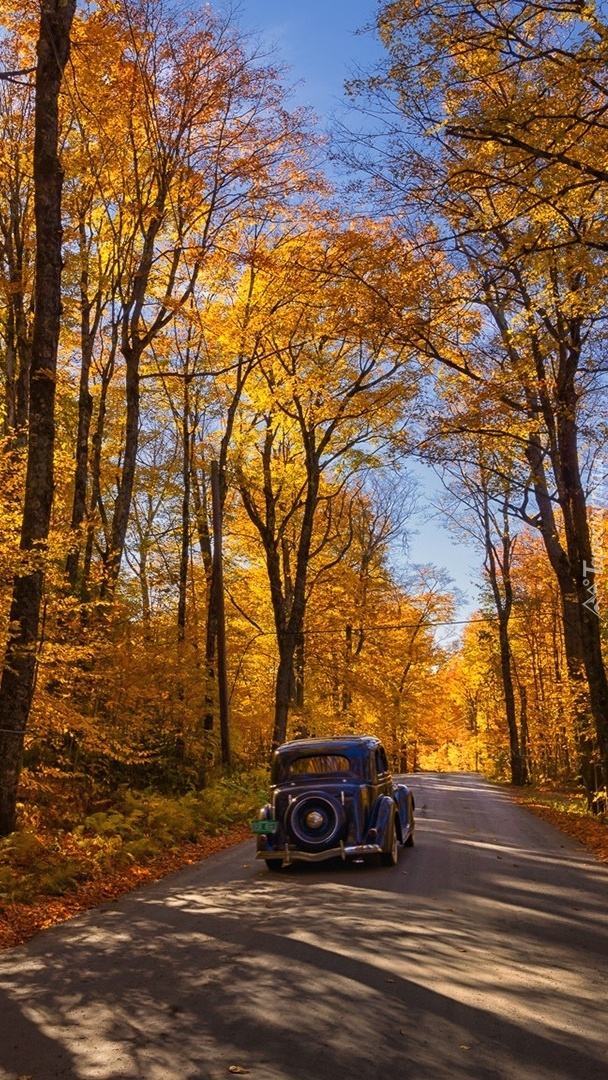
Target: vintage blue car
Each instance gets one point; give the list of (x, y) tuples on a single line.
[(333, 798)]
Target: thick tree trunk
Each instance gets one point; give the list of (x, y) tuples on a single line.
[(572, 598), (282, 690), (580, 556), (17, 683), (579, 689), (289, 684)]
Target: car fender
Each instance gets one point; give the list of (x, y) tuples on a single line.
[(382, 815), (405, 806)]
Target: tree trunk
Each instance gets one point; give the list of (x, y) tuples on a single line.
[(580, 555), (122, 508), (503, 599), (96, 501), (17, 683), (299, 671), (574, 641), (10, 370), (211, 705), (184, 558), (146, 612), (289, 633), (222, 675), (517, 763), (18, 356), (524, 729), (204, 539), (347, 696), (282, 690), (17, 335), (244, 368), (85, 414), (288, 617), (289, 685)]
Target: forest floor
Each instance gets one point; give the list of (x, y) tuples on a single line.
[(568, 812), (20, 919)]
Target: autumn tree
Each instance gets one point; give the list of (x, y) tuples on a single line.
[(16, 229), (538, 661), (479, 488), (331, 388), (379, 511), (17, 683), (541, 666), (186, 138), (173, 138), (522, 236)]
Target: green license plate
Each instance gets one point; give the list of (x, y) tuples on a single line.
[(260, 826)]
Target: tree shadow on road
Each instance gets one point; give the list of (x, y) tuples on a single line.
[(328, 972)]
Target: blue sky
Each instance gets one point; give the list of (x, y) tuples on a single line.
[(317, 40)]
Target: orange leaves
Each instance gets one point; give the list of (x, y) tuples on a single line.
[(20, 920)]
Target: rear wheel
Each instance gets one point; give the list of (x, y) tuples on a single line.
[(410, 840), (389, 858)]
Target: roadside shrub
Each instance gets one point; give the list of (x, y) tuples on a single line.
[(140, 851), (139, 826)]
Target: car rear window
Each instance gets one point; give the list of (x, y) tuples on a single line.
[(318, 765)]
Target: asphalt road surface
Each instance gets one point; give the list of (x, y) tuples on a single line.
[(484, 953)]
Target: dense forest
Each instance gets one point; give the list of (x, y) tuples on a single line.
[(216, 365)]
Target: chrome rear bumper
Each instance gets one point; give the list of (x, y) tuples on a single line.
[(344, 851)]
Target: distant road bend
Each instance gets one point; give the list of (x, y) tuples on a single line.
[(483, 954)]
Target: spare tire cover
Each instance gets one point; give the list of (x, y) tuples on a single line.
[(316, 821)]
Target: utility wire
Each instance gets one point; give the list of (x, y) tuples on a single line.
[(402, 626)]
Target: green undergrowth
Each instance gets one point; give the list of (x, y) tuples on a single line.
[(566, 801), (137, 827), (572, 803)]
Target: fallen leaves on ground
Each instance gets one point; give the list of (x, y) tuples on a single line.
[(589, 830), (19, 921)]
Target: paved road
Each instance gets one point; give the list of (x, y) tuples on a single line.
[(483, 954)]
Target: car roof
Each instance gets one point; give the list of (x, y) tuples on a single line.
[(338, 744)]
